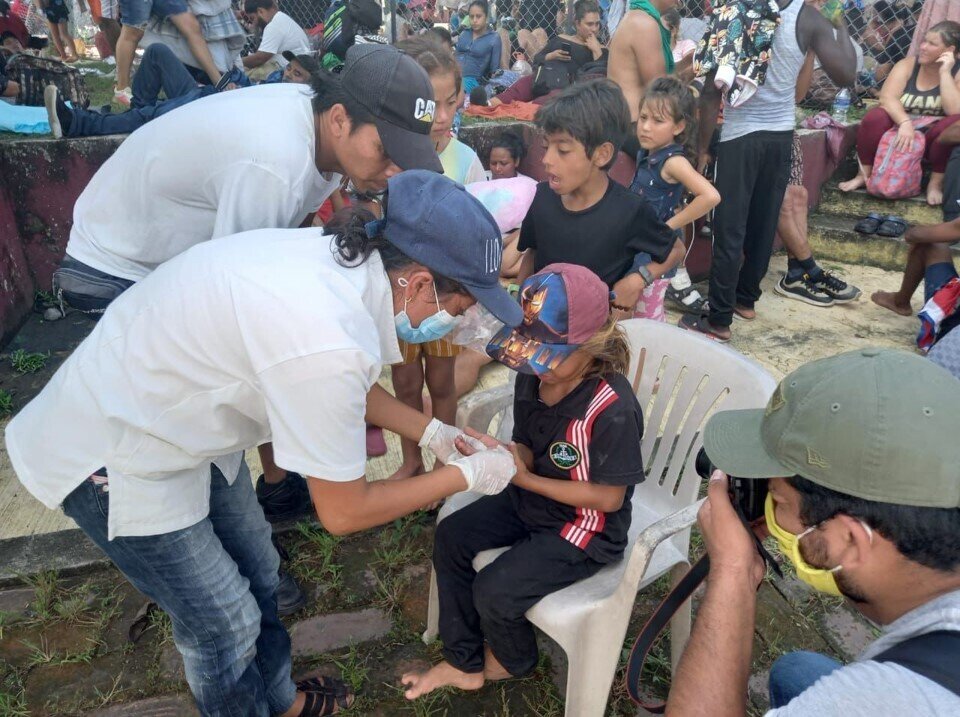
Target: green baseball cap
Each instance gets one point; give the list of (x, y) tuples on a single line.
[(877, 424)]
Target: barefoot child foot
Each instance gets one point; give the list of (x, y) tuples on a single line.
[(850, 185), (888, 300), (492, 669), (441, 675)]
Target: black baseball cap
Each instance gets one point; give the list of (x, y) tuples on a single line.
[(307, 62), (397, 92)]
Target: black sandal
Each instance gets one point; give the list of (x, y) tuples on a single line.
[(325, 696), (681, 297), (869, 224), (892, 226)]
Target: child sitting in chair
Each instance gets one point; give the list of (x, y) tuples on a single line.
[(577, 431)]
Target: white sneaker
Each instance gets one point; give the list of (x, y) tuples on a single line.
[(124, 96), (50, 93)]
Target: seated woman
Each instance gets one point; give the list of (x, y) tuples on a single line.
[(584, 48), (478, 49), (928, 84)]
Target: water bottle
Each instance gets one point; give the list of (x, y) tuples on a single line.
[(841, 106)]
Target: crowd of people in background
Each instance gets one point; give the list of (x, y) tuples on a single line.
[(639, 151)]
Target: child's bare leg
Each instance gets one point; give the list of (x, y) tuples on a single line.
[(440, 372), (468, 368), (57, 42), (126, 49), (66, 39), (492, 669), (408, 387), (918, 259), (441, 675)]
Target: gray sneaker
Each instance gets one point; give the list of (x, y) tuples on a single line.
[(833, 286), (803, 289)]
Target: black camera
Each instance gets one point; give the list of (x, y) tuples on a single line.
[(747, 495)]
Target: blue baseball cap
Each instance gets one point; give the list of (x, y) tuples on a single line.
[(437, 223), (563, 306)]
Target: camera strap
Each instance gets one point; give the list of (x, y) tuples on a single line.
[(660, 618), (655, 625)]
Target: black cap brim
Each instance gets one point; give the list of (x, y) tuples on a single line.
[(408, 150)]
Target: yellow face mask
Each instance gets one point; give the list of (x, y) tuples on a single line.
[(817, 578)]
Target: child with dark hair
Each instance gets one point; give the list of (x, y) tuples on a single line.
[(506, 153), (581, 216), (577, 428), (665, 127)]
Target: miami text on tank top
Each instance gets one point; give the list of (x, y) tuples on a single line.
[(921, 102), (772, 108)]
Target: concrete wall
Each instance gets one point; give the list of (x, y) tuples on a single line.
[(42, 179)]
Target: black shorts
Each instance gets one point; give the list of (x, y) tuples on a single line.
[(57, 11)]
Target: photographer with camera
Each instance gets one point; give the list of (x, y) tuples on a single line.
[(863, 462)]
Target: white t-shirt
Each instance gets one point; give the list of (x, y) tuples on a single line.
[(257, 337), (282, 33), (224, 164)]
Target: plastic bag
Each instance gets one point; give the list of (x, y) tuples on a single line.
[(475, 329)]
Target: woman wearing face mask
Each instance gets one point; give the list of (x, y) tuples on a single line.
[(266, 335)]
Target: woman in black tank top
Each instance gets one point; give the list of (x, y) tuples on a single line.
[(928, 84)]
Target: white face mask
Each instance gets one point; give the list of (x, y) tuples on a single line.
[(434, 327)]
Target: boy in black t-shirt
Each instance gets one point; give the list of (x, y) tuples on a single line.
[(581, 216), (577, 432)]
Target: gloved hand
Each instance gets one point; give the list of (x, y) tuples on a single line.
[(439, 438), (488, 471)]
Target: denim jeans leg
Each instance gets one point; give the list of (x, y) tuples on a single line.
[(794, 672), (160, 70), (93, 124), (188, 572), (245, 534)]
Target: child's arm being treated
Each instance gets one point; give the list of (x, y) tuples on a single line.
[(579, 494)]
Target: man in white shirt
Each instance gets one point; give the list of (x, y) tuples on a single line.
[(279, 34)]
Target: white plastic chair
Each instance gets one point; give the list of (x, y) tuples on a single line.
[(680, 379)]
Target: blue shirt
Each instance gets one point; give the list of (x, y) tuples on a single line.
[(478, 57)]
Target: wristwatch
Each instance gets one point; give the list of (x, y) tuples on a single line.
[(645, 274)]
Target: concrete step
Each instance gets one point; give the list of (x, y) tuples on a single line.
[(858, 204), (833, 238)]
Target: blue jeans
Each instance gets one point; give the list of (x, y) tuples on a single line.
[(160, 70), (217, 581), (93, 124), (795, 672)]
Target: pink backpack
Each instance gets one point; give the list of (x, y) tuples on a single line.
[(897, 173)]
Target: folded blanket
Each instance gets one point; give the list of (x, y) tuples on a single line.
[(515, 110)]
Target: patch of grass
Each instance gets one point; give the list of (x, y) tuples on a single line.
[(6, 402), (45, 586), (314, 559), (160, 621), (13, 704), (25, 362)]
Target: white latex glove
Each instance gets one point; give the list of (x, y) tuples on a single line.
[(488, 471), (439, 438)]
